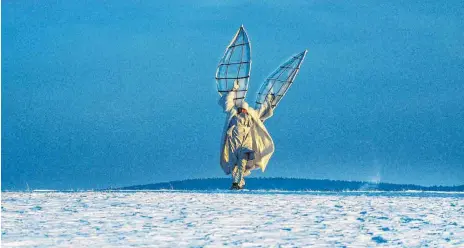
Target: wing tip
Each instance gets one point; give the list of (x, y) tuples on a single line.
[(242, 29)]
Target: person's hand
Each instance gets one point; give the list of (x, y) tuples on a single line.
[(236, 85), (270, 97)]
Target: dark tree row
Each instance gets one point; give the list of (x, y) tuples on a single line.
[(292, 184)]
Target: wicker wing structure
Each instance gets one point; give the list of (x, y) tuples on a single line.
[(235, 66), (278, 83)]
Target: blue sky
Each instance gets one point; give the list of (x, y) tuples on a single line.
[(108, 94)]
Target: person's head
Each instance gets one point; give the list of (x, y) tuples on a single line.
[(243, 108)]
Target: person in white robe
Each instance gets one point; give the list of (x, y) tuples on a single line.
[(246, 144)]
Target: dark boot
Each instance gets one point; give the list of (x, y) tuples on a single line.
[(235, 186)]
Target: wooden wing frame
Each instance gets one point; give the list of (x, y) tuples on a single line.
[(278, 83), (235, 67)]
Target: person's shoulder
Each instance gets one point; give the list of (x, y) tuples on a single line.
[(253, 114)]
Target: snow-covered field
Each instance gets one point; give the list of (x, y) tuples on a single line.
[(223, 218)]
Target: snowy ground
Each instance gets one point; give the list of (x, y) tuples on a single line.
[(221, 218)]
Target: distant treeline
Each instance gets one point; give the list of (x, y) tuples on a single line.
[(291, 184)]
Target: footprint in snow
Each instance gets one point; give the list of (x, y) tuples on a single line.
[(379, 239), (36, 208)]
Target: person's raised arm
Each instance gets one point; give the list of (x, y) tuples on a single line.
[(227, 100), (266, 110)]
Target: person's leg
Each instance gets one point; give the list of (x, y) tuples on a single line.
[(241, 170), (238, 173), (235, 175), (238, 180)]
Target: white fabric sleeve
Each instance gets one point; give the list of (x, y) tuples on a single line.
[(227, 102), (266, 110)]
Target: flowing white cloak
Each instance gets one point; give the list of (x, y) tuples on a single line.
[(262, 143)]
